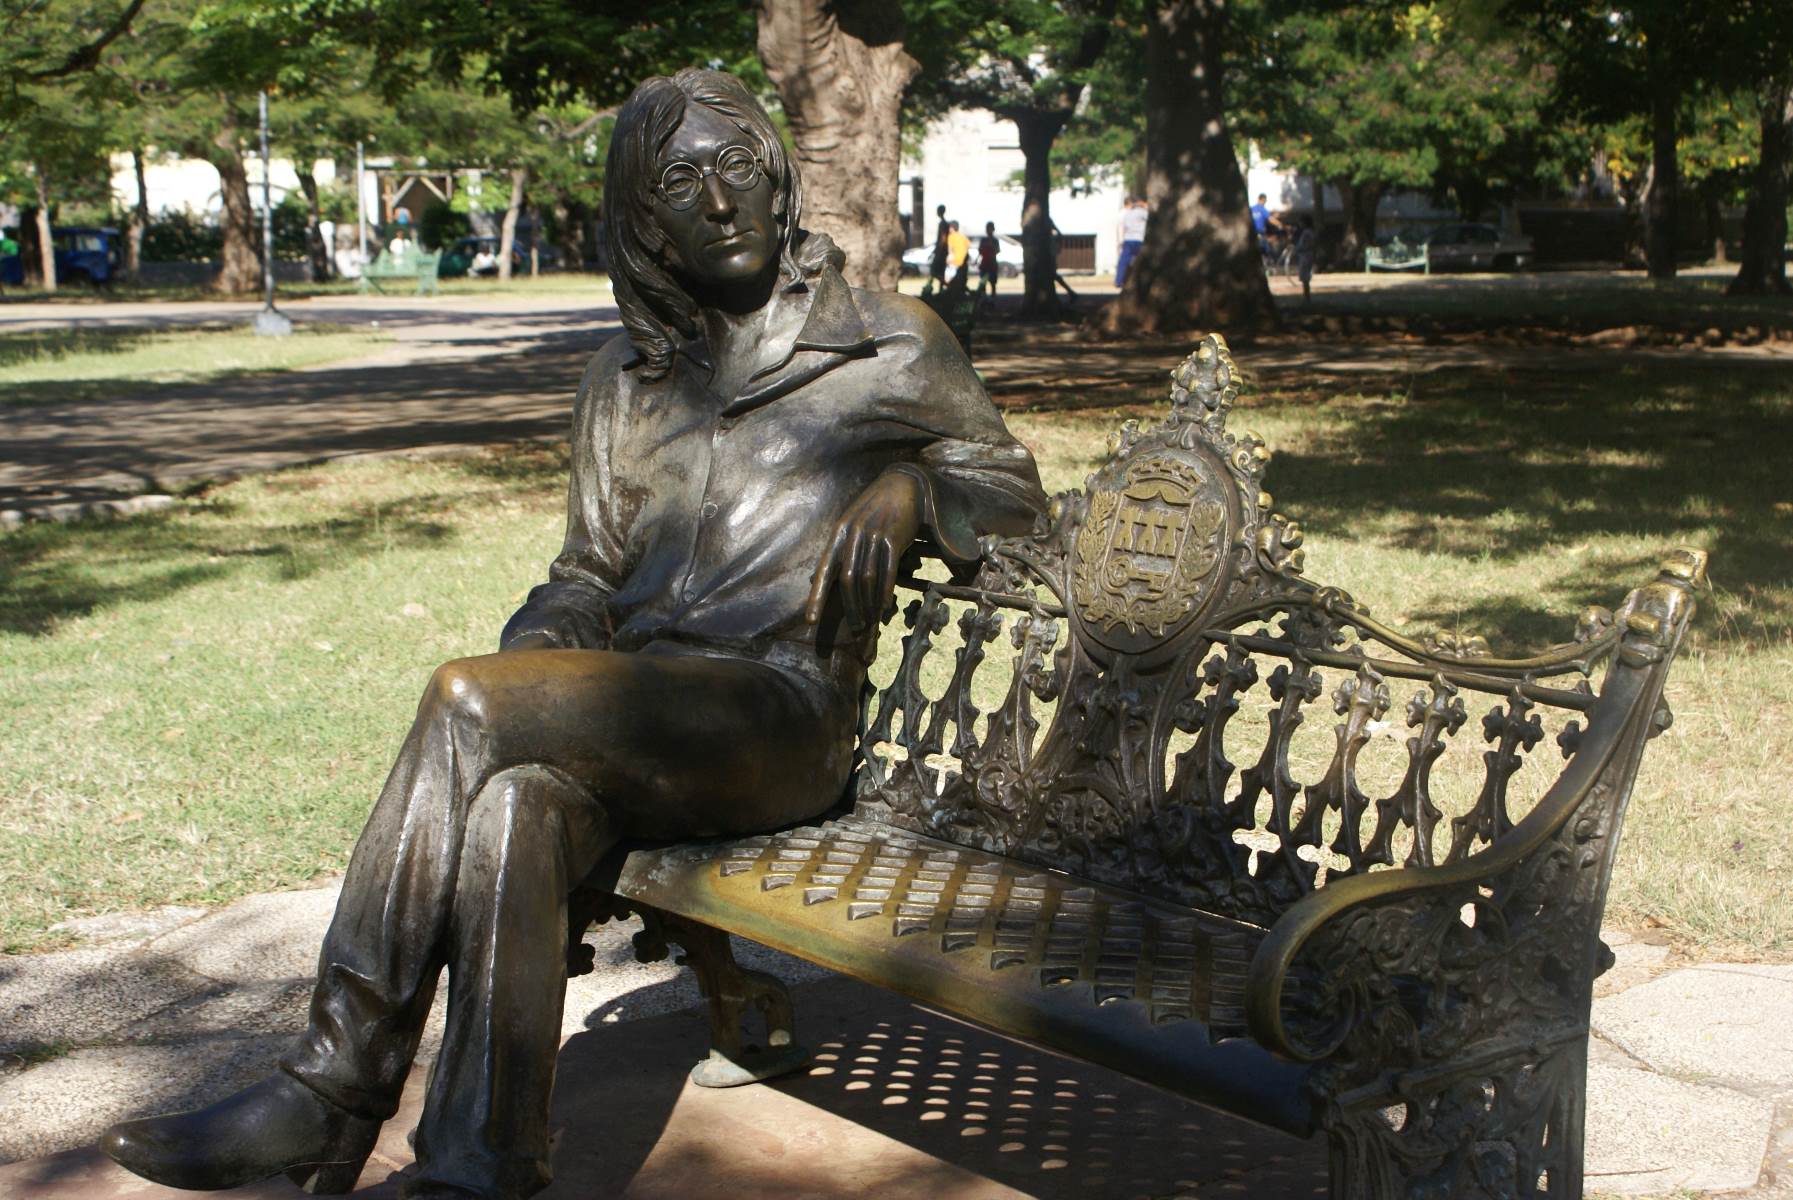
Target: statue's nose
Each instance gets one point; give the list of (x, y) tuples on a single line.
[(718, 199)]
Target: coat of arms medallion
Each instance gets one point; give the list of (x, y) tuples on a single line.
[(1149, 550)]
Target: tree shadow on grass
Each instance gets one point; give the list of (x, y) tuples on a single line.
[(1608, 468), (50, 573)]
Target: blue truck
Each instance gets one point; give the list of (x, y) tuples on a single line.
[(84, 254)]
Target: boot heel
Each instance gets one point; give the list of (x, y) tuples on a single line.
[(328, 1179)]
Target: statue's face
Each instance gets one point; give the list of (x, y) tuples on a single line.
[(713, 201)]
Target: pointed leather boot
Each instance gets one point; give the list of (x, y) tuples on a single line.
[(277, 1125)]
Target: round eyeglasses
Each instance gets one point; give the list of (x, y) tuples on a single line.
[(682, 183)]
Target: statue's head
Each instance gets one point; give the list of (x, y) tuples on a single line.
[(700, 199)]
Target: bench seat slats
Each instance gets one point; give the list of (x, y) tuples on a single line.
[(1104, 974)]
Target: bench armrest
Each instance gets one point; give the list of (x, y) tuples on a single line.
[(1388, 968)]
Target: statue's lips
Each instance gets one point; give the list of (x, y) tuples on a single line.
[(731, 239)]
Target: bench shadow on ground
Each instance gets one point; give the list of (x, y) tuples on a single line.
[(899, 1102)]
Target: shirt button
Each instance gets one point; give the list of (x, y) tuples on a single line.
[(710, 509), (690, 591)]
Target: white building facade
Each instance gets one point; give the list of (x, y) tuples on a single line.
[(971, 160)]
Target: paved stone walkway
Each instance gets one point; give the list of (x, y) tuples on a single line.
[(1690, 1089)]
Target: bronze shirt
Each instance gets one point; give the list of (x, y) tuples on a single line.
[(700, 518)]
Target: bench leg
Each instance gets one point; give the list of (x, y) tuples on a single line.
[(1501, 1130), (732, 991)]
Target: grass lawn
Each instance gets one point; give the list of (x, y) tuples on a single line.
[(43, 367), (203, 702)]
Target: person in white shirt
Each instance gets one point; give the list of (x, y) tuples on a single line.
[(1132, 232)]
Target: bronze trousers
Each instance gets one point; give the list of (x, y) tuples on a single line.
[(520, 772)]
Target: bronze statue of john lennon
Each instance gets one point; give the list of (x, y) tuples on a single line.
[(751, 461)]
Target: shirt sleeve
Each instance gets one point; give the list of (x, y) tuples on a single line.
[(572, 609), (976, 478)]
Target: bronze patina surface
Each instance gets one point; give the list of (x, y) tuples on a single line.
[(1054, 838), (752, 462)]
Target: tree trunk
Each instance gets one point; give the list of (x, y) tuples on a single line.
[(46, 244), (1661, 206), (240, 266), (507, 235), (315, 250), (1039, 253), (1763, 265), (1361, 200), (138, 223), (840, 70), (1199, 267)]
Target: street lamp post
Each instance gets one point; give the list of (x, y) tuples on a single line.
[(269, 322)]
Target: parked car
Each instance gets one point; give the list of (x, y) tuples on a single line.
[(1473, 247), (459, 258), (916, 261), (84, 254)]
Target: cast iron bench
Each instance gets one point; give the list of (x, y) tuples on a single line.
[(419, 265), (1398, 952)]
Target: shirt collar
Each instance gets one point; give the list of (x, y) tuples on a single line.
[(821, 311)]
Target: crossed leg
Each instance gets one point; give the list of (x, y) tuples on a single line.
[(520, 771)]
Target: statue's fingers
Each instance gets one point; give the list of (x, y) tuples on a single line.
[(887, 560), (825, 575), (852, 577)]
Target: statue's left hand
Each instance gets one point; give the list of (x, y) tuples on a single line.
[(868, 543)]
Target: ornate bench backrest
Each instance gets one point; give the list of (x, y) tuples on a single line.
[(1161, 628)]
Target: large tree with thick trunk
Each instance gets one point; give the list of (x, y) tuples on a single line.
[(840, 69), (1199, 267), (1763, 265)]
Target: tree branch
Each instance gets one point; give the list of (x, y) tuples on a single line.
[(88, 55)]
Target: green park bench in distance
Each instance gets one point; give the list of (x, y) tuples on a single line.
[(1398, 255), (419, 265)]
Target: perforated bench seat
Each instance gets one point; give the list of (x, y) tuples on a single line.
[(1104, 974)]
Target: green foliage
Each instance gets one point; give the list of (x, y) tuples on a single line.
[(292, 220), (1409, 98), (180, 236), (441, 224)]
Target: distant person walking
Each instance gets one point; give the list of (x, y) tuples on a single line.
[(958, 250), (937, 266), (1132, 232), (1307, 244), (989, 251)]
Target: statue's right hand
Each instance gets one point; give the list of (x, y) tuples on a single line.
[(557, 616)]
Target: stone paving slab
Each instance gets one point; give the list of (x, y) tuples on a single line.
[(82, 996), (1727, 1023), (193, 999), (72, 1099), (1649, 1135)]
